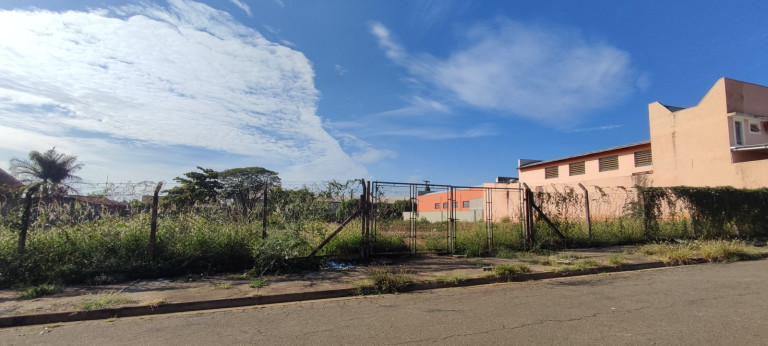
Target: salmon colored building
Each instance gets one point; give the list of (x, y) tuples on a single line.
[(722, 141)]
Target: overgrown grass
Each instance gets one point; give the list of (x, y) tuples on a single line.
[(508, 270), (711, 250), (258, 283), (103, 301), (40, 291), (454, 278), (617, 259), (384, 280), (669, 253), (727, 251), (581, 264)]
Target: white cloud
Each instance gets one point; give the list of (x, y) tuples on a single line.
[(393, 49), (551, 75), (340, 70), (243, 6), (183, 76)]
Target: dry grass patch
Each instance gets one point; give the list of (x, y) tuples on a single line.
[(727, 251), (154, 302)]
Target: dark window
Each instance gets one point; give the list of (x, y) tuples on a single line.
[(445, 205), (576, 168), (455, 205), (551, 172), (739, 133), (465, 204), (437, 205), (643, 158), (610, 163)]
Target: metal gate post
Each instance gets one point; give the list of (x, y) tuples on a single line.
[(489, 218), (414, 196), (451, 220), (528, 207)]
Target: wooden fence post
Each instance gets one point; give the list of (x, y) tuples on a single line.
[(153, 222)]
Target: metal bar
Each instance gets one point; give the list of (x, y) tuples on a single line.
[(546, 219), (412, 241), (489, 219), (586, 206), (328, 239)]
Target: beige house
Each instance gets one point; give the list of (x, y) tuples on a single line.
[(722, 141)]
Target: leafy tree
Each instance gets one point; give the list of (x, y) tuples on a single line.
[(53, 170), (197, 188), (245, 186)]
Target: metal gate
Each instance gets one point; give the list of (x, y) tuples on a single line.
[(435, 218)]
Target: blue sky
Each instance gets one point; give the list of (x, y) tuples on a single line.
[(448, 91)]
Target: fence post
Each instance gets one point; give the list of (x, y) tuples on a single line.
[(644, 206), (153, 222), (25, 216), (368, 210), (586, 206), (264, 213), (363, 219), (527, 201)]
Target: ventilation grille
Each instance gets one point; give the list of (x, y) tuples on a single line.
[(643, 158), (576, 168), (610, 163), (551, 172)]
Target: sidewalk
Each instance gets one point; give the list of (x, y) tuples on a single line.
[(167, 296)]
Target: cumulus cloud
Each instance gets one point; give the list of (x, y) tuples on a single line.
[(551, 75), (185, 75)]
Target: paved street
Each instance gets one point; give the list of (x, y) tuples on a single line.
[(702, 305)]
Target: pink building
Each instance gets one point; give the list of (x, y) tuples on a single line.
[(722, 141)]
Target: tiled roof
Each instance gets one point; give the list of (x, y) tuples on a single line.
[(7, 179)]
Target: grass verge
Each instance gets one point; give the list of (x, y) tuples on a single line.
[(40, 291), (509, 270), (258, 283), (103, 301), (383, 280)]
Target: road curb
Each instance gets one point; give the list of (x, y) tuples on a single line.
[(130, 311)]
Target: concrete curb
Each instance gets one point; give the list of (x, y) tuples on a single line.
[(129, 311)]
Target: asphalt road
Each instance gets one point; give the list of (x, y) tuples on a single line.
[(710, 304)]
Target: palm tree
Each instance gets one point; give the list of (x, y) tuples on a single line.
[(51, 169)]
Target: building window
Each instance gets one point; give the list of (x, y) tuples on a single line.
[(437, 205), (455, 205), (465, 204), (576, 168), (754, 128), (610, 163), (739, 132), (445, 205), (643, 158), (551, 172)]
